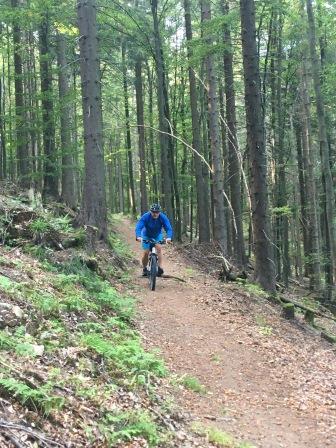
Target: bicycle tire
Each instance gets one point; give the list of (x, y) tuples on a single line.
[(153, 273)]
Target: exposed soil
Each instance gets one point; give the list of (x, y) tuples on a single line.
[(269, 381)]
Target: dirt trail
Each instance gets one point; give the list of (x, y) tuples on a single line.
[(269, 382)]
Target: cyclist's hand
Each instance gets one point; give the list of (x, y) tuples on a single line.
[(168, 240), (139, 239)]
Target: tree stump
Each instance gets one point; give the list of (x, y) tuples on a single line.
[(309, 317), (91, 238), (288, 311)]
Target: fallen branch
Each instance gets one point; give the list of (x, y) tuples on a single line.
[(37, 435)]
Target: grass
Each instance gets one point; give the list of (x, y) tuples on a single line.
[(6, 284), (192, 383), (264, 329), (218, 437)]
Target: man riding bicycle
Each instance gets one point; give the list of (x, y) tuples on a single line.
[(150, 226)]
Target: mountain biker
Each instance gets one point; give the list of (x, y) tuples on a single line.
[(150, 226)]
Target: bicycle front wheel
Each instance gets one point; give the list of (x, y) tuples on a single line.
[(153, 273)]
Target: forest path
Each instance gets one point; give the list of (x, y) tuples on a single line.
[(268, 381)]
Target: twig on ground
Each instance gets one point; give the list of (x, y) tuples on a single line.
[(37, 435)]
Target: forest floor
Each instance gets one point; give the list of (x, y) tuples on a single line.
[(263, 379)]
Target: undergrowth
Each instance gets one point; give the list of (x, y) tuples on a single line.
[(36, 399), (77, 316), (124, 426)]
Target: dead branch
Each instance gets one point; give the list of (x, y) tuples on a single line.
[(33, 433)]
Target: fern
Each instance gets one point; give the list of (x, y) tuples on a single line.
[(34, 398), (127, 355), (6, 341), (127, 425)]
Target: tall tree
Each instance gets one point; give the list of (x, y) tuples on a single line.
[(329, 199), (264, 265), (23, 168), (141, 133), (220, 231), (50, 187), (128, 129), (201, 191), (68, 178), (235, 159), (93, 211), (164, 118)]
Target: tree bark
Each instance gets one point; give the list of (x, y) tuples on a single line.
[(309, 163), (23, 163), (128, 130), (220, 231), (3, 152), (50, 187), (264, 264), (93, 211), (165, 138), (201, 191), (68, 178), (235, 160), (324, 148), (141, 134)]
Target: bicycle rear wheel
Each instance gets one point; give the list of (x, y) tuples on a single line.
[(152, 273)]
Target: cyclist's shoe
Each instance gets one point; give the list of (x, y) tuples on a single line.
[(145, 272), (160, 272)]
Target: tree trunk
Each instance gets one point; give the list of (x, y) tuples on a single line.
[(309, 163), (93, 211), (3, 152), (235, 160), (201, 191), (141, 134), (220, 231), (23, 164), (128, 131), (264, 265), (329, 199), (154, 193), (50, 187), (68, 178), (303, 193), (165, 138)]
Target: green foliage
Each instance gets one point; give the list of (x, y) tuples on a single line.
[(264, 328), (47, 304), (255, 289), (218, 437), (39, 398), (6, 284), (109, 298), (192, 383), (285, 210), (25, 349), (7, 341), (126, 355), (119, 247), (124, 426), (48, 222)]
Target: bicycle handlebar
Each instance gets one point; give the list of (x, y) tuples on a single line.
[(151, 241)]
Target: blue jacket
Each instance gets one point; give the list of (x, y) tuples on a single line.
[(151, 228)]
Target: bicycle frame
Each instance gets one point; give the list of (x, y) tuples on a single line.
[(152, 262)]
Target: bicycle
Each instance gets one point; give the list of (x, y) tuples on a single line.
[(152, 266)]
